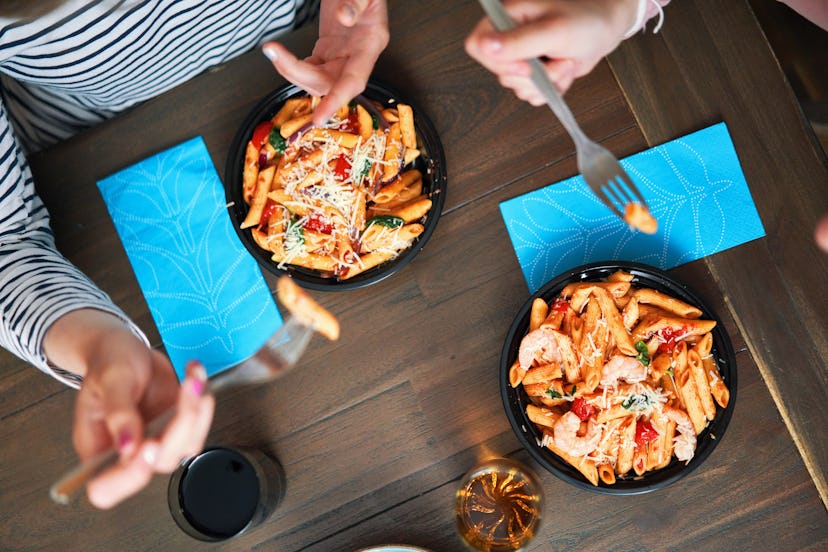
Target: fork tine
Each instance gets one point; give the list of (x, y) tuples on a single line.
[(614, 194), (605, 195), (631, 188)]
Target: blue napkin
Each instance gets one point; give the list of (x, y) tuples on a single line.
[(693, 185), (206, 293)]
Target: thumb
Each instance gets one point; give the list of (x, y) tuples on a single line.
[(542, 38), (349, 11)]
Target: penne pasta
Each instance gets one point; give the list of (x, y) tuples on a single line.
[(516, 374), (542, 416), (407, 133), (669, 304), (251, 172), (391, 191), (538, 313), (686, 385), (413, 210), (292, 126), (325, 183), (696, 367), (257, 203), (543, 374), (620, 378)]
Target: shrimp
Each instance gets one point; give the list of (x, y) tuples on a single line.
[(567, 439), (539, 345), (622, 367), (684, 444)]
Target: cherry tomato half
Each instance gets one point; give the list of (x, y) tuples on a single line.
[(260, 133), (644, 433), (582, 409), (342, 169)]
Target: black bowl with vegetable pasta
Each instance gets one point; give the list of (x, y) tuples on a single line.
[(431, 163), (515, 400)]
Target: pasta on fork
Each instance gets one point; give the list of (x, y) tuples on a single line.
[(621, 379)]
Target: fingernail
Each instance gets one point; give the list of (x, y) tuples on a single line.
[(196, 387), (150, 454), (270, 53), (125, 442), (492, 45), (198, 378), (348, 14)]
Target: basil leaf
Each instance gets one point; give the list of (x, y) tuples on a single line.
[(636, 402), (375, 120), (366, 168), (643, 353), (552, 394), (388, 221), (294, 233), (277, 141)]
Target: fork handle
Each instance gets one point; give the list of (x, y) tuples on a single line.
[(68, 486), (502, 22)]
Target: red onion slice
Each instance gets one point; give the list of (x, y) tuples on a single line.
[(372, 109)]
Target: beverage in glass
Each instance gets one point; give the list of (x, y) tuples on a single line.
[(224, 492), (499, 506)]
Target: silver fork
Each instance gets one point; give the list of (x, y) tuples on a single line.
[(600, 168), (277, 356)]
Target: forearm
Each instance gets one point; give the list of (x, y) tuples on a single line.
[(39, 289), (38, 286)]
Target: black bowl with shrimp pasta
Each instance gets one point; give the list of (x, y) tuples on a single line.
[(617, 378), (343, 208)]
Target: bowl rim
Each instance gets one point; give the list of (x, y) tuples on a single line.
[(707, 440), (432, 164)]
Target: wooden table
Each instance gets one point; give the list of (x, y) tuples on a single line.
[(374, 434)]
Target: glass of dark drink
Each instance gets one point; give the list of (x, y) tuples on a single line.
[(224, 492)]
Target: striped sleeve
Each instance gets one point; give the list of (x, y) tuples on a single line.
[(37, 284)]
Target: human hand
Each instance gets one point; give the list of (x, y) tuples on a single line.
[(821, 233), (126, 384), (352, 34), (569, 37)]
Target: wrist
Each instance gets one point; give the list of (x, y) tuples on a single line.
[(75, 339), (629, 16)]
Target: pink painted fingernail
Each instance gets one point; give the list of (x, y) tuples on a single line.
[(125, 441), (198, 378), (197, 387)]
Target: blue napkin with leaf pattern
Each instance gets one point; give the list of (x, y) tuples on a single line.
[(206, 293), (694, 187)]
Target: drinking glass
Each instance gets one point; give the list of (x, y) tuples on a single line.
[(499, 506), (224, 492)]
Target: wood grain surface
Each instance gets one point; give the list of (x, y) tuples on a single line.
[(375, 431), (783, 305)]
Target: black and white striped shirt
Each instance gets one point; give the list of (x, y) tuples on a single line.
[(73, 68)]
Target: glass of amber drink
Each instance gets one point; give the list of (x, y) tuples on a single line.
[(499, 506)]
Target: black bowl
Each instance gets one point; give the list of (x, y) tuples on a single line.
[(515, 400), (431, 163)]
